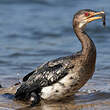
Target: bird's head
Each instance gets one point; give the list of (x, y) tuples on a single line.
[(85, 16)]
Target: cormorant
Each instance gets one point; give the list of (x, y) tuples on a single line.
[(64, 76)]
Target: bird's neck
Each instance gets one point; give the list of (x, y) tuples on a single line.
[(88, 46)]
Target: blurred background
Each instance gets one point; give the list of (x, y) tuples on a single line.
[(35, 31)]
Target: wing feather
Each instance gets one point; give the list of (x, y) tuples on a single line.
[(51, 68), (45, 75)]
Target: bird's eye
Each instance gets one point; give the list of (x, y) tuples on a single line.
[(86, 14)]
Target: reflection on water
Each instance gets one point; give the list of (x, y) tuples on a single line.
[(32, 32), (81, 101)]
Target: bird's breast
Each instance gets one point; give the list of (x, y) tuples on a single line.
[(66, 86)]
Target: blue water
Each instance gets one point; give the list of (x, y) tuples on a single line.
[(35, 31)]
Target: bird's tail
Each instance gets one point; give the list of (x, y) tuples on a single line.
[(27, 92), (23, 92)]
